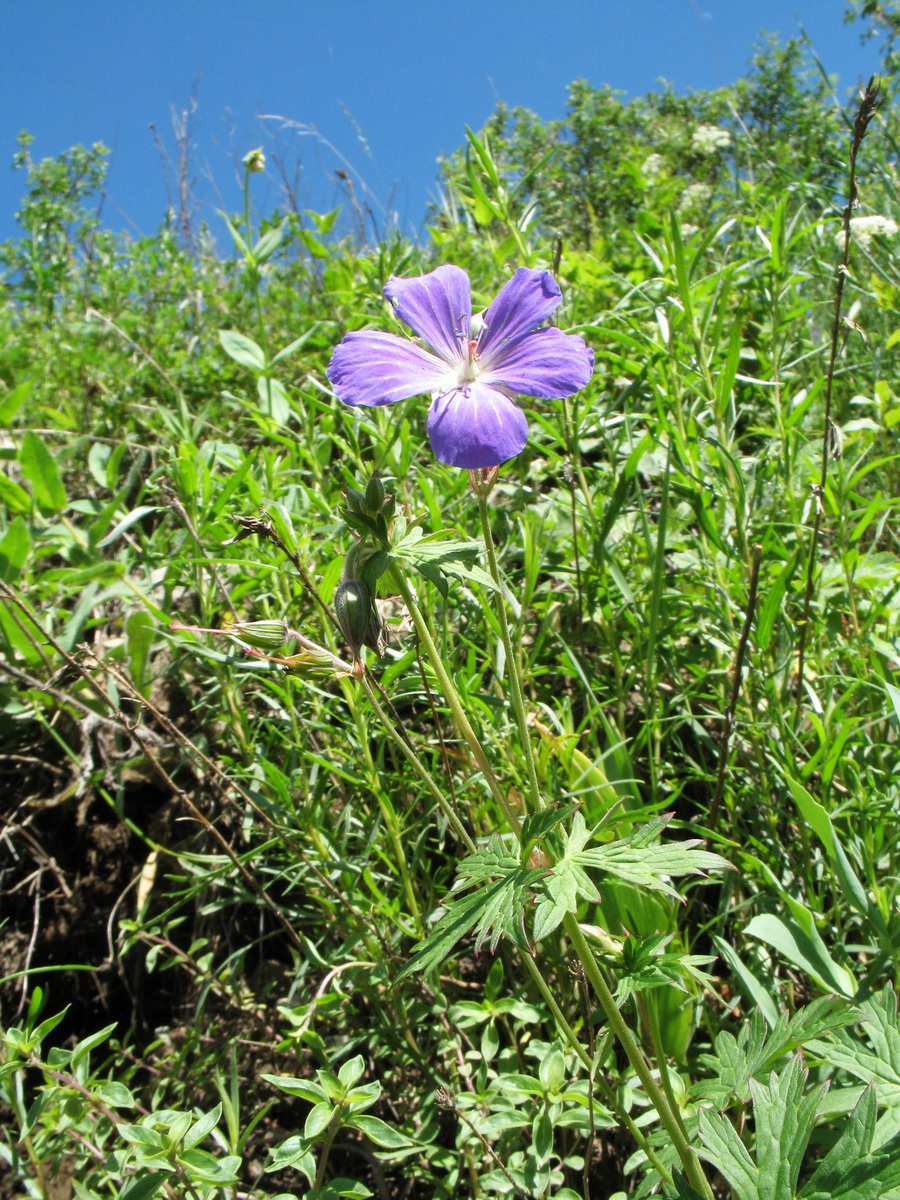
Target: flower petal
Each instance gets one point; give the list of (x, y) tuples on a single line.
[(438, 307), (547, 363), (371, 368), (476, 426), (521, 305)]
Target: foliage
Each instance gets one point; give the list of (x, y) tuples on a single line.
[(378, 833)]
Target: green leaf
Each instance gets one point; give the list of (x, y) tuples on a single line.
[(752, 988), (15, 547), (352, 1071), (873, 1057), (724, 1149), (784, 1119), (270, 241), (801, 945), (40, 469), (831, 1176), (306, 1088), (202, 1128), (496, 910), (116, 1095), (820, 823), (13, 496), (14, 399), (378, 1131), (243, 350), (127, 521), (318, 1120), (634, 859), (142, 1187)]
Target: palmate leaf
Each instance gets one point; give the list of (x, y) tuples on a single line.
[(436, 556), (756, 1049), (783, 1117), (872, 1056), (633, 858), (495, 909)]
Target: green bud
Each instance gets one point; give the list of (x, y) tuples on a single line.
[(353, 609), (374, 495), (264, 635)]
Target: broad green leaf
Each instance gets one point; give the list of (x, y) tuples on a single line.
[(202, 1128), (378, 1131), (243, 350), (307, 1088), (14, 399), (40, 469), (116, 1095), (270, 241), (820, 823), (142, 1187), (352, 1071), (209, 1169), (803, 947), (15, 546), (13, 496), (273, 399), (319, 1119)]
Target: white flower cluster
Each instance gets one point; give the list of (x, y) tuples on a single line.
[(863, 229), (653, 166), (707, 139), (695, 195)]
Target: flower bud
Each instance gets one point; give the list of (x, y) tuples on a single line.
[(255, 161), (353, 609), (374, 495), (264, 635)]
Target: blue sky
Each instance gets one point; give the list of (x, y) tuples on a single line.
[(382, 87)]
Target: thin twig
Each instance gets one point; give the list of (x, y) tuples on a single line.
[(868, 106)]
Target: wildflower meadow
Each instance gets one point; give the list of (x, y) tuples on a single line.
[(450, 686)]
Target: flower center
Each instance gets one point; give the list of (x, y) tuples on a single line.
[(469, 369)]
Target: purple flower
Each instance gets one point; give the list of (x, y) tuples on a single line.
[(473, 421)]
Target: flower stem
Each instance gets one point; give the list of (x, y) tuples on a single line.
[(692, 1167), (406, 748), (512, 662), (453, 701), (572, 1038)]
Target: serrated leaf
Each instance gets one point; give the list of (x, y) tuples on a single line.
[(854, 1144), (494, 911), (784, 1117), (724, 1149), (634, 859), (872, 1056)]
